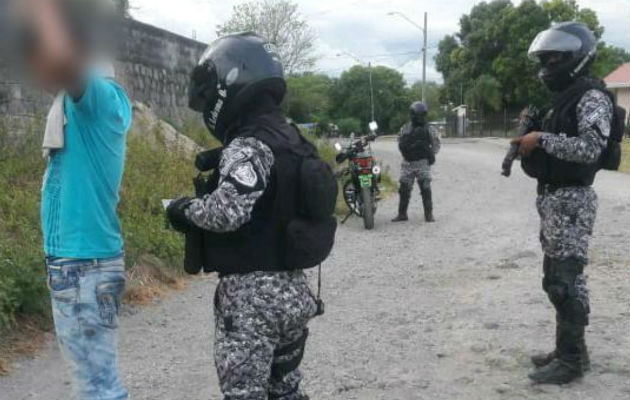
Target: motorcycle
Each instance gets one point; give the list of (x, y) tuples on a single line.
[(361, 190)]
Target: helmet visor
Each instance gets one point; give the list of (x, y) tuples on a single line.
[(554, 41), (203, 87)]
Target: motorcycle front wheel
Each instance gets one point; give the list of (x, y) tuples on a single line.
[(367, 196), (350, 196)]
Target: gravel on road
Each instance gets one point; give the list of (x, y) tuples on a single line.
[(450, 310)]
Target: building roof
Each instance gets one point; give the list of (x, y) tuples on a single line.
[(619, 78)]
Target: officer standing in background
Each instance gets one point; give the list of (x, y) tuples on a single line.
[(564, 159), (418, 143), (251, 218)]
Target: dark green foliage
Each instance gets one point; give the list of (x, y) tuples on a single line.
[(488, 56), (347, 126), (350, 96), (609, 58), (22, 278), (307, 98), (152, 173), (148, 180)]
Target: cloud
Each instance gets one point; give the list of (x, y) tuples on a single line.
[(362, 27)]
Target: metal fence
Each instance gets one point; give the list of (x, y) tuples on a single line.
[(477, 125)]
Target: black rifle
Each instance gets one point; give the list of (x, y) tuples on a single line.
[(529, 122)]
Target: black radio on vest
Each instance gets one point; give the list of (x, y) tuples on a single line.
[(561, 118), (292, 225)]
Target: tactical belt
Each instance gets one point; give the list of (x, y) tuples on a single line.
[(545, 188)]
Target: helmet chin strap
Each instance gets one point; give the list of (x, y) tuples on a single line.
[(583, 63)]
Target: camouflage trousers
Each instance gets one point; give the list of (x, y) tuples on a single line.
[(261, 321), (412, 171), (567, 217), (567, 220)]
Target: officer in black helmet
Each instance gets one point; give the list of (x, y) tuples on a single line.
[(249, 217), (575, 145), (418, 143)]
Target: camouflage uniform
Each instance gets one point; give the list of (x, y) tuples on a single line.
[(261, 317), (418, 156), (567, 217), (568, 214), (420, 171)]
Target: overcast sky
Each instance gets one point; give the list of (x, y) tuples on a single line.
[(362, 27)]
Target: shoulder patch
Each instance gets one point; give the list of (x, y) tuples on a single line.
[(245, 175), (593, 117)]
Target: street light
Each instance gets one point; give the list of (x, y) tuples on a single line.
[(369, 65), (423, 29)]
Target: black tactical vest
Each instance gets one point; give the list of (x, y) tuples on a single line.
[(562, 118), (265, 243), (415, 143)]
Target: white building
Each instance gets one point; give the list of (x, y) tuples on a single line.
[(618, 82)]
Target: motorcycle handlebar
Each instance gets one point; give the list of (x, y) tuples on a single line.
[(355, 146)]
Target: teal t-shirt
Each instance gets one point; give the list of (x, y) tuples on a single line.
[(81, 187)]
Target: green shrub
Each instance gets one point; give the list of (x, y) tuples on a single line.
[(625, 160), (151, 174), (349, 125), (22, 278)]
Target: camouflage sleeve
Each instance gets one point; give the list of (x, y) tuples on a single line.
[(595, 116), (436, 142), (245, 169)]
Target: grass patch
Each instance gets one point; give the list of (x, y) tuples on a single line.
[(328, 153), (26, 339), (625, 156), (151, 174)]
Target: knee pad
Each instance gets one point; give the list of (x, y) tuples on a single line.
[(557, 292), (287, 358), (575, 311), (425, 185)]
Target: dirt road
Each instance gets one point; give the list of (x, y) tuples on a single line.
[(444, 311)]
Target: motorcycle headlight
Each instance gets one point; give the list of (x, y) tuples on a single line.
[(376, 170)]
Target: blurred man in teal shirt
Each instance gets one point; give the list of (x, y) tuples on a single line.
[(85, 147)]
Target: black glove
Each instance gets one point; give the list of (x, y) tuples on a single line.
[(176, 213), (209, 159)]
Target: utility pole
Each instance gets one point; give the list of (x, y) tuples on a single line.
[(371, 91), (369, 65), (424, 31)]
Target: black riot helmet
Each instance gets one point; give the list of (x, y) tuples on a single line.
[(418, 112), (233, 70), (566, 52)]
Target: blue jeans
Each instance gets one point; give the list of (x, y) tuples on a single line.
[(86, 297)]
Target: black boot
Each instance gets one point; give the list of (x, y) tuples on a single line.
[(544, 359), (403, 205), (427, 202), (568, 364)]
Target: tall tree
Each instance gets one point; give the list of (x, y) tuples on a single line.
[(308, 97), (350, 96), (280, 22), (609, 58), (492, 43)]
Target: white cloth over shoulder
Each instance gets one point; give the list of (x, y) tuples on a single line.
[(54, 133), (55, 125)]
